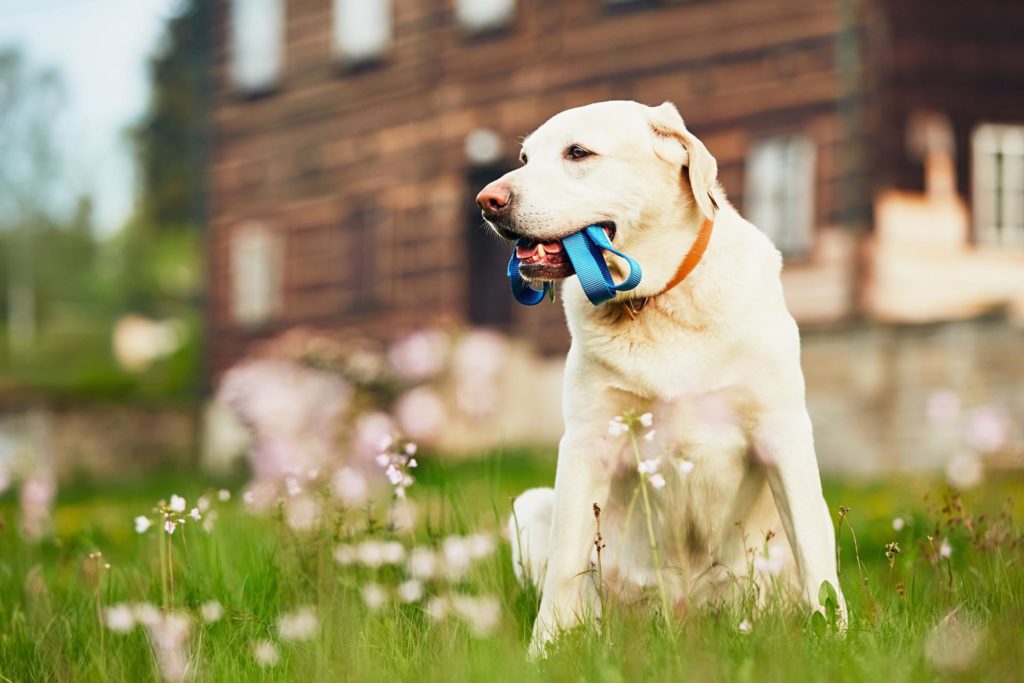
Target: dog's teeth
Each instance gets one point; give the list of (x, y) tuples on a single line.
[(540, 250)]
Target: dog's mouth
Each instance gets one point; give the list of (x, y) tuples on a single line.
[(548, 260)]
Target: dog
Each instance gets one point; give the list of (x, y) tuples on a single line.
[(704, 349)]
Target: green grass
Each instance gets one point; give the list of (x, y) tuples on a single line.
[(258, 569)]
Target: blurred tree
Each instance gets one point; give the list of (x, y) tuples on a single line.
[(64, 288), (169, 141), (29, 100)]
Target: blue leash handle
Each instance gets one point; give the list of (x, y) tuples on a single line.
[(585, 250)]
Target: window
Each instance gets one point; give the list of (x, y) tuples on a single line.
[(998, 184), (256, 265), (479, 16), (779, 191), (257, 44), (362, 29)]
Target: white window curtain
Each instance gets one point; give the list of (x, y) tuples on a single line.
[(256, 274), (477, 16), (997, 187), (256, 57), (362, 29), (779, 188)]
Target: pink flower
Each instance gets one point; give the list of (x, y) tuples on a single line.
[(419, 356), (943, 407), (988, 429), (349, 486), (420, 414), (617, 426)]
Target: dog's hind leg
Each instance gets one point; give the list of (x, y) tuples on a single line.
[(530, 533)]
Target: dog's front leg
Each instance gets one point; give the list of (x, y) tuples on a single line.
[(784, 442), (582, 479)]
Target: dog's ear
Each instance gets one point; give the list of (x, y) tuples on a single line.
[(675, 144)]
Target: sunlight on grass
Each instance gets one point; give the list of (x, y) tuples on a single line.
[(346, 599)]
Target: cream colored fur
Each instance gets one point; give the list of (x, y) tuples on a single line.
[(716, 360)]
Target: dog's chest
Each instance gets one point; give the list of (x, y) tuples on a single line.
[(663, 365)]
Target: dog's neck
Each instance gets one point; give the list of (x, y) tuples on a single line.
[(634, 306)]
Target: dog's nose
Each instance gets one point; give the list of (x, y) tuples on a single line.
[(494, 199)]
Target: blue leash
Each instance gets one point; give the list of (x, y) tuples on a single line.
[(584, 249)]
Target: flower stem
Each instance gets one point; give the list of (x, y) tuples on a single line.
[(665, 611), (163, 565)]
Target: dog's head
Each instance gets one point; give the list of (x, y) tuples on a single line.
[(633, 169)]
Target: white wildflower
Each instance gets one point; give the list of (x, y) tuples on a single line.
[(211, 611), (945, 549), (771, 562), (177, 503), (119, 618), (656, 480), (203, 504), (410, 591), (684, 466), (746, 626), (649, 466), (617, 426), (646, 420), (170, 526), (394, 475), (266, 653), (410, 449), (481, 614), (223, 495), (169, 637), (480, 545), (142, 524), (146, 613), (345, 555), (299, 625), (898, 523), (965, 470), (649, 436), (437, 608), (392, 552), (374, 596), (456, 557), (195, 514), (422, 563), (302, 513)]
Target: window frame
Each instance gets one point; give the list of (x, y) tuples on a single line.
[(235, 71), (369, 59), (485, 29), (796, 148), (991, 225), (268, 289)]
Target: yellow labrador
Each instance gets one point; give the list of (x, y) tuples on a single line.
[(715, 359)]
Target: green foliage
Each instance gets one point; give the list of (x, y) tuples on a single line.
[(259, 570), (62, 287), (169, 141)]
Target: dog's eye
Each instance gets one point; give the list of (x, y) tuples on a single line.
[(575, 152), (522, 158)]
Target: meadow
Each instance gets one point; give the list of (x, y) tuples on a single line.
[(348, 595)]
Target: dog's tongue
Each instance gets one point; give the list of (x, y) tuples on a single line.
[(530, 249)]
